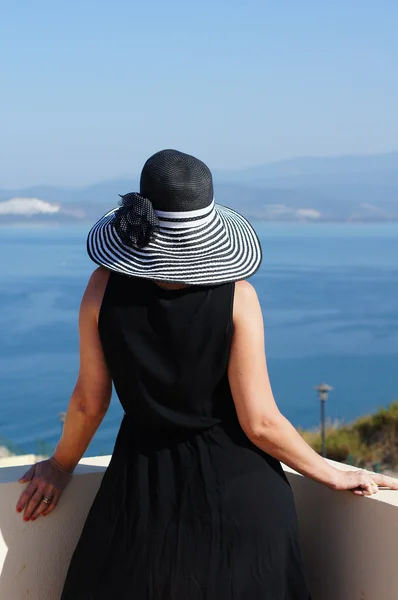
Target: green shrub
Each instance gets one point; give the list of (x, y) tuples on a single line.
[(368, 441)]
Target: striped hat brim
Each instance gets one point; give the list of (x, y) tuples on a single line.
[(218, 248)]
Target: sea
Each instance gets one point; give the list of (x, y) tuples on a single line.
[(329, 295)]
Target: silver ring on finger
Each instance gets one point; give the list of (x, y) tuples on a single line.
[(46, 500)]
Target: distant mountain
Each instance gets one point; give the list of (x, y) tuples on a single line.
[(363, 169), (343, 188)]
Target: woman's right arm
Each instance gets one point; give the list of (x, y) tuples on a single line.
[(87, 407), (258, 413)]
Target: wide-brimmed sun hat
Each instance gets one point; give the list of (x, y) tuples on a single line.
[(173, 231)]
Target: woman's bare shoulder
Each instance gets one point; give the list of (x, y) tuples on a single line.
[(245, 296), (92, 298), (245, 289), (99, 277)]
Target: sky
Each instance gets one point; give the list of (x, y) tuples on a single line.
[(91, 88)]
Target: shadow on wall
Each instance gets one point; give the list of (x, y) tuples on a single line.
[(34, 556)]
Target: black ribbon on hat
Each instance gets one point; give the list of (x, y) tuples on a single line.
[(135, 221)]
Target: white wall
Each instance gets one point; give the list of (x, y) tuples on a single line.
[(34, 556), (350, 543)]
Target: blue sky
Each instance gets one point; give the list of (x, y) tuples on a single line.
[(91, 88)]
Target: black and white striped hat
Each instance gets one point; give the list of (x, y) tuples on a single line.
[(173, 231)]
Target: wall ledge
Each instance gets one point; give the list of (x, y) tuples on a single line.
[(350, 543)]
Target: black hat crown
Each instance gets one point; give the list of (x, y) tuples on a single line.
[(174, 181)]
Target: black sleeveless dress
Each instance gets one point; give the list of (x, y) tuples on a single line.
[(189, 508)]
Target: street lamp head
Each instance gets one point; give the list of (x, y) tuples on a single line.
[(323, 390)]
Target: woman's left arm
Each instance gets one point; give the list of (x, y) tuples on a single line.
[(87, 408)]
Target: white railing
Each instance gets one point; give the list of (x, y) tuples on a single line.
[(350, 544)]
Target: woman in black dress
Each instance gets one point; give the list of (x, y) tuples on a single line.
[(194, 504)]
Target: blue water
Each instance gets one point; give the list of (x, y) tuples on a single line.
[(329, 297)]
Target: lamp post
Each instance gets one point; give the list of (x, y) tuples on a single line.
[(323, 393)]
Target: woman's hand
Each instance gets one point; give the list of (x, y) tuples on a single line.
[(363, 483), (47, 480)]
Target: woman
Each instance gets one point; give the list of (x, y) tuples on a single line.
[(194, 504)]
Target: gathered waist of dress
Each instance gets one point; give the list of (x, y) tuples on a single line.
[(143, 434)]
